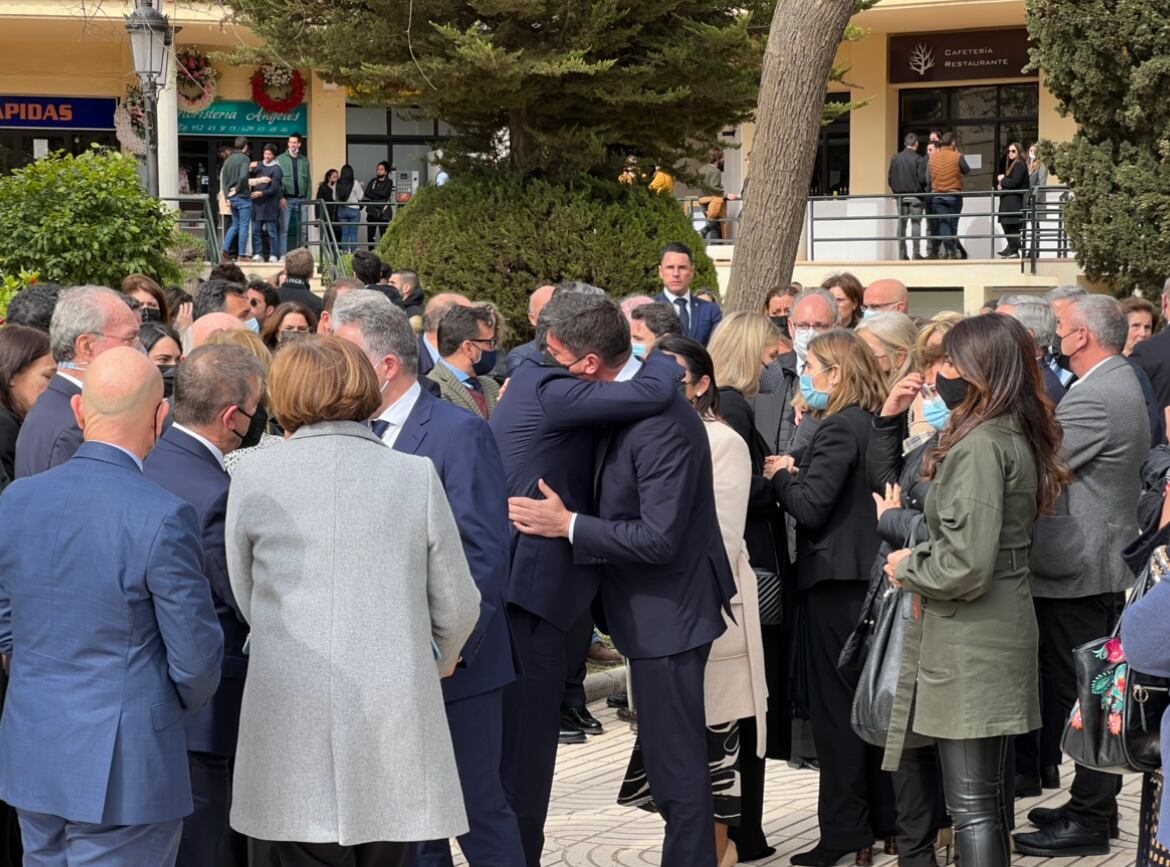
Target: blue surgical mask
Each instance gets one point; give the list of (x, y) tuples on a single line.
[(935, 412), (253, 325), (866, 313), (812, 396), (639, 350)]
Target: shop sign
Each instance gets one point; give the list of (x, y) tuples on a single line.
[(959, 56), (230, 118), (56, 112)]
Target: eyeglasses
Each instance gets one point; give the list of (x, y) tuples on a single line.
[(876, 307), (491, 342), (815, 326), (129, 340), (299, 329)]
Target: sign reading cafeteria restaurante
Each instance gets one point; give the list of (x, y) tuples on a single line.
[(960, 55), (229, 118)]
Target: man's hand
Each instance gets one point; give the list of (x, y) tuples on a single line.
[(547, 517), (257, 195), (283, 203)]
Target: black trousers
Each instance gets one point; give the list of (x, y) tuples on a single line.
[(972, 772), (578, 640), (918, 796), (1064, 625), (855, 804), (287, 854), (205, 831), (1011, 227), (672, 728)]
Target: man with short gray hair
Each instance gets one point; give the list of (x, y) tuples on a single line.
[(465, 455), (1038, 318), (87, 321), (428, 341), (1106, 437), (813, 312), (1153, 356)]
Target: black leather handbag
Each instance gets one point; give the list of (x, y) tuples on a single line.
[(771, 599), (1115, 723)]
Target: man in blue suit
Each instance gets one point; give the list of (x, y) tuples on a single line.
[(665, 581), (676, 269), (461, 447), (217, 391), (547, 427), (536, 303), (87, 321), (112, 635)]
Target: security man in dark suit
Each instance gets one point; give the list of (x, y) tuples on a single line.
[(217, 391), (665, 576), (676, 268), (546, 427)]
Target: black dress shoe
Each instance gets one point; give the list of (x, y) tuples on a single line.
[(1050, 776), (627, 715), (1062, 839), (618, 699), (582, 719), (1045, 817), (1028, 787), (822, 857), (570, 734)]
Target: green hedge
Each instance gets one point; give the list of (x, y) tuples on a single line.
[(497, 238)]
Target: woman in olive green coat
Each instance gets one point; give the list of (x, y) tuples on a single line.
[(969, 669)]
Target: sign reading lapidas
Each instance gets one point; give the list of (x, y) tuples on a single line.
[(959, 55)]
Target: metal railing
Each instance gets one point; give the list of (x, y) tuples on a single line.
[(717, 231), (194, 217), (363, 230)]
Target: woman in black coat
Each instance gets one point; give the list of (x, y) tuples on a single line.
[(1011, 206), (742, 345), (266, 202), (828, 494)]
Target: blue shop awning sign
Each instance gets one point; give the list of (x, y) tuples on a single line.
[(231, 118), (56, 112)]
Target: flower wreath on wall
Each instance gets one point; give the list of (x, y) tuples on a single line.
[(130, 121), (195, 80), (274, 76)]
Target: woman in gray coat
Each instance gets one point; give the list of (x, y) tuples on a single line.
[(355, 617)]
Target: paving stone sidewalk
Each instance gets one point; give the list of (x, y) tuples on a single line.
[(587, 829)]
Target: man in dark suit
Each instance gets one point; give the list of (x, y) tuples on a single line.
[(546, 427), (461, 447), (298, 265), (428, 341), (665, 581), (1153, 356), (536, 303), (87, 321), (110, 624), (217, 391), (676, 269)]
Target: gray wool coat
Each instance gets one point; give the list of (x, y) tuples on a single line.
[(346, 562)]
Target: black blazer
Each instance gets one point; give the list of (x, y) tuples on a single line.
[(836, 524), (297, 290), (764, 532), (50, 435), (1153, 356), (9, 428)]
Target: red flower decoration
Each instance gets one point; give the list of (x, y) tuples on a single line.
[(1077, 721), (1115, 652), (277, 106), (1114, 723)]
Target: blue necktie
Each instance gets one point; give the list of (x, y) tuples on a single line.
[(681, 303), (379, 426)]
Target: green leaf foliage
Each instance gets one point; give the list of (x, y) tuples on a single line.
[(84, 219), (498, 238), (1113, 80)]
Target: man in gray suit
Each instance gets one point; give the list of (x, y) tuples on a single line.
[(1106, 437)]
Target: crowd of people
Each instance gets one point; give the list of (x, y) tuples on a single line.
[(292, 580)]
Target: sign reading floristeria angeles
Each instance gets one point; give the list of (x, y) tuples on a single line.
[(230, 118), (959, 55)]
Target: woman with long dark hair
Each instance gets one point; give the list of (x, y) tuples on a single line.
[(348, 195), (971, 658), (1011, 206), (288, 322), (26, 367)]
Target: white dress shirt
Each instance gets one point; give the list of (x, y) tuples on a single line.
[(208, 444), (1090, 372), (72, 379), (398, 412), (671, 298)]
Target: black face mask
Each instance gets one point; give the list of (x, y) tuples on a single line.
[(168, 377), (781, 322), (151, 314), (255, 428), (486, 363), (952, 391), (1063, 361)]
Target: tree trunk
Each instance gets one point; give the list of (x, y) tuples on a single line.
[(802, 43)]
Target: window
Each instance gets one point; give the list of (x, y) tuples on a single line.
[(831, 170), (398, 135)]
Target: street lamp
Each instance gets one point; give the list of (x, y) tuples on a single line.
[(150, 43)]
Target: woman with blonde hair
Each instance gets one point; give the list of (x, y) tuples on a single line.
[(741, 347), (891, 336), (836, 542)]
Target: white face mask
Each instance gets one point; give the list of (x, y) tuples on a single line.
[(800, 341)]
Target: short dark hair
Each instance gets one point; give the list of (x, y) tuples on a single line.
[(367, 267), (299, 263), (459, 324), (213, 294), (589, 323), (20, 346), (677, 247), (297, 136), (338, 287), (229, 271), (271, 296), (213, 378), (410, 278), (386, 271), (659, 317), (697, 361), (33, 306), (240, 142), (948, 139), (269, 146)]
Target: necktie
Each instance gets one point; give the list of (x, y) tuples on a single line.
[(681, 303), (379, 426), (476, 392)]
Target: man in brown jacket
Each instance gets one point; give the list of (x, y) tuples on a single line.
[(947, 168)]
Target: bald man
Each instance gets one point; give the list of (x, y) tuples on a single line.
[(428, 341), (205, 326), (112, 635), (536, 303), (886, 296)]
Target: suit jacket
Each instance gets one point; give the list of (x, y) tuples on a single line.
[(704, 316), (49, 435), (836, 526), (546, 428), (516, 357), (110, 623), (1106, 437), (183, 465), (425, 363), (666, 576), (465, 455), (1153, 356), (345, 559), (452, 390)]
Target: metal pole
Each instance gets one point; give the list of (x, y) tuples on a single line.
[(150, 95)]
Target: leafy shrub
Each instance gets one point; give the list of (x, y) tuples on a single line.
[(496, 237), (84, 219)]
